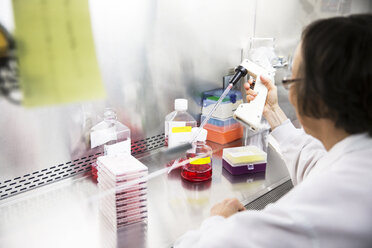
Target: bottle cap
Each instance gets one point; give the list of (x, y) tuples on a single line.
[(202, 136), (180, 104), (109, 114)]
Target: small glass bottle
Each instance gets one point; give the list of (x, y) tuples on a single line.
[(198, 169), (178, 124), (111, 135)]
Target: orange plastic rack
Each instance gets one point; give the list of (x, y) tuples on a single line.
[(226, 137)]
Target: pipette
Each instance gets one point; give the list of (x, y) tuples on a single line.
[(240, 71), (224, 94), (248, 113), (144, 179), (251, 113)]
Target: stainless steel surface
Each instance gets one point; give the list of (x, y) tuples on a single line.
[(67, 213), (58, 172), (45, 176), (150, 52), (270, 197), (39, 178)]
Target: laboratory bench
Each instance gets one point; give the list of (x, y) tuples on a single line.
[(67, 213)]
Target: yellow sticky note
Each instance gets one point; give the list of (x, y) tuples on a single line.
[(185, 129), (3, 44), (56, 52), (206, 160)]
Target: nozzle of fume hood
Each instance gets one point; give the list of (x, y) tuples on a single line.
[(240, 72)]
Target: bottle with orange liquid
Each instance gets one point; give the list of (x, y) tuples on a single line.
[(200, 166)]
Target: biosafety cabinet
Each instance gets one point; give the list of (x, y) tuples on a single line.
[(136, 57)]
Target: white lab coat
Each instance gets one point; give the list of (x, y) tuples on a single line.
[(330, 205)]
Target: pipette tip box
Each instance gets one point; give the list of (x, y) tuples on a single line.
[(123, 188), (219, 122), (228, 105), (220, 125), (243, 168), (245, 159)]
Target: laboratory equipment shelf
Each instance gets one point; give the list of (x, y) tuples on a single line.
[(67, 213)]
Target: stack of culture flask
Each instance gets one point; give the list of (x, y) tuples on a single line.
[(123, 189)]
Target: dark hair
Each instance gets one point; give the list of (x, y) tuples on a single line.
[(337, 71)]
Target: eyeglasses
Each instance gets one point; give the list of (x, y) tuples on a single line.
[(288, 82)]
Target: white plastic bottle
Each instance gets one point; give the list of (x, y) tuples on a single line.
[(112, 135), (178, 124)]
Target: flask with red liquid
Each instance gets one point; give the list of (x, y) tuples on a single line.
[(200, 166)]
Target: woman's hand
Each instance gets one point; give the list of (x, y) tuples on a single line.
[(272, 112), (272, 95), (227, 207)]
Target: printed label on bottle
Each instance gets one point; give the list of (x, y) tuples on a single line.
[(179, 133), (185, 129), (103, 136), (120, 147), (206, 160)]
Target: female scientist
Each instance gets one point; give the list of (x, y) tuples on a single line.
[(329, 160)]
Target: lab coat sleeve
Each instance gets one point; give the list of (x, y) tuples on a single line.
[(313, 214), (193, 237), (274, 228), (300, 151)]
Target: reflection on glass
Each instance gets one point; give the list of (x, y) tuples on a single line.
[(133, 235)]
